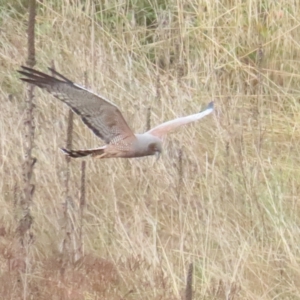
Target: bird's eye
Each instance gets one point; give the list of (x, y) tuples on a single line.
[(153, 147)]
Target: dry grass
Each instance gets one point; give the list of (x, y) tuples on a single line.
[(225, 193)]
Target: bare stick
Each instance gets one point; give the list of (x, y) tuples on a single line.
[(31, 37), (148, 123), (180, 174), (189, 283), (81, 207), (67, 227), (28, 189), (24, 226)]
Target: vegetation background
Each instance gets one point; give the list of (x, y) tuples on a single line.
[(225, 194)]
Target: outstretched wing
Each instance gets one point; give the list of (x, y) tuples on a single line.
[(100, 115), (164, 128)]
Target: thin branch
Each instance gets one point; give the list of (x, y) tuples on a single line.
[(189, 283), (81, 207), (29, 162)]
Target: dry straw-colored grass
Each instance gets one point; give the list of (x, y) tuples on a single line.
[(225, 193)]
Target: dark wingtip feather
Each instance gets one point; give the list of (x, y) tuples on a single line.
[(60, 75), (75, 153), (38, 77), (31, 81), (27, 68), (67, 152), (210, 105)]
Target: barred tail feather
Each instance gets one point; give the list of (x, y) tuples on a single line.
[(82, 153)]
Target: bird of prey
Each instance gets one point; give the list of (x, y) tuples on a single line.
[(105, 119)]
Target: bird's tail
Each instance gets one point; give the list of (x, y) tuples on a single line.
[(82, 153)]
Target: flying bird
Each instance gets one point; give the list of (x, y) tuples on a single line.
[(105, 119)]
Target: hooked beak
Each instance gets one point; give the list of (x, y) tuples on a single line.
[(157, 154)]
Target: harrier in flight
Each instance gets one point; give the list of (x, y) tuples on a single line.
[(105, 119)]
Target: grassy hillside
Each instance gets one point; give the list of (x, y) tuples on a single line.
[(225, 193)]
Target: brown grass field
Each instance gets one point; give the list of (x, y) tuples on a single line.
[(224, 195)]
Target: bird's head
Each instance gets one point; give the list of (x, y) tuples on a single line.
[(147, 144)]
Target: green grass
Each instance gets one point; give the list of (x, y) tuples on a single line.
[(233, 210)]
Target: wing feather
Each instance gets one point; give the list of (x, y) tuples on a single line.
[(164, 128), (100, 115)]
